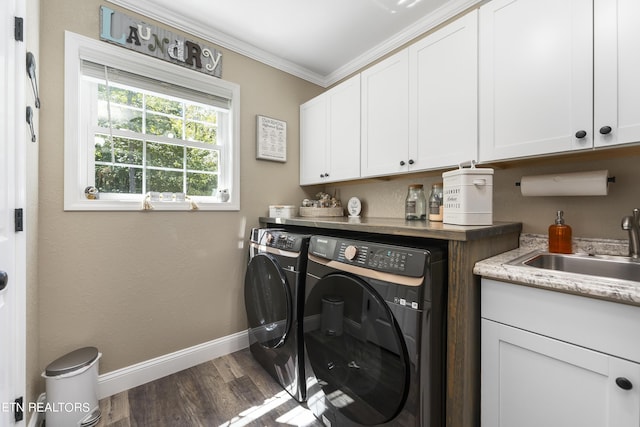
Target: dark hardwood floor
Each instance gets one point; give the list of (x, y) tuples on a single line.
[(230, 391)]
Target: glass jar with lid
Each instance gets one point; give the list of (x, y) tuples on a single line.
[(415, 207), (435, 202)]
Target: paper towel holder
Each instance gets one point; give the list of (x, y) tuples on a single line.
[(610, 179)]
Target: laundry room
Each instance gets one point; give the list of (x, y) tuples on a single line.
[(141, 247)]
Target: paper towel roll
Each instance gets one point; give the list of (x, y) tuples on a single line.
[(593, 183)]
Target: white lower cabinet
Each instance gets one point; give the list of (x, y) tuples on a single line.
[(531, 379)]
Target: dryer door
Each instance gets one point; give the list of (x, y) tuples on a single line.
[(268, 301), (360, 361)]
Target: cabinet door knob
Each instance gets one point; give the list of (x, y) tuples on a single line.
[(581, 134), (605, 130), (326, 175), (411, 161), (402, 163), (624, 383), (321, 175)]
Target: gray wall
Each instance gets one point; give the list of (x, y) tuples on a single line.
[(597, 216), (140, 285)]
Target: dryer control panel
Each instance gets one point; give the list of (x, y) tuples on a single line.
[(375, 256), (279, 239)]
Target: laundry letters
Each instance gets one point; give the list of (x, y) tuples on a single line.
[(123, 30)]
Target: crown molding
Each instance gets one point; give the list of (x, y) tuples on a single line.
[(147, 8), (430, 21)]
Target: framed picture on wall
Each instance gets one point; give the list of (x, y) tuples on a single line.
[(271, 139)]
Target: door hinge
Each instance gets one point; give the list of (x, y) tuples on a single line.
[(19, 220), (18, 409), (18, 29)]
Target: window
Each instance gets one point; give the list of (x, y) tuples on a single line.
[(139, 129)]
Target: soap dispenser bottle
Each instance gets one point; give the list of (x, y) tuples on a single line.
[(560, 236)]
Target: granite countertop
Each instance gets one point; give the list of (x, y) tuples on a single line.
[(401, 227), (622, 291)]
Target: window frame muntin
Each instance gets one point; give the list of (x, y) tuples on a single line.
[(90, 116), (76, 151)]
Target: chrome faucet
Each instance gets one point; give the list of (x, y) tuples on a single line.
[(632, 225)]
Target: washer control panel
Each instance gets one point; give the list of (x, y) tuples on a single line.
[(375, 256)]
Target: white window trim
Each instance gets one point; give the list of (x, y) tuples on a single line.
[(76, 168)]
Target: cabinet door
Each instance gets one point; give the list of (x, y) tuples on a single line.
[(385, 116), (344, 131), (443, 96), (616, 68), (313, 140), (529, 380), (535, 77)]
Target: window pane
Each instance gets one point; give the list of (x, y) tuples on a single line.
[(127, 151), (120, 96), (158, 180), (201, 113), (164, 105), (202, 160), (202, 132), (162, 125), (122, 117), (118, 179), (165, 155), (201, 184)]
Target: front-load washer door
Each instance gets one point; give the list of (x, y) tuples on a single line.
[(354, 348), (268, 301)]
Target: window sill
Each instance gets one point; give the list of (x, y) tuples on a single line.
[(137, 205), (169, 206)]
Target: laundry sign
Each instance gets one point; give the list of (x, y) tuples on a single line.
[(123, 30)]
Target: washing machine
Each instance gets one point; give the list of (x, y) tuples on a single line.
[(374, 331), (273, 296)]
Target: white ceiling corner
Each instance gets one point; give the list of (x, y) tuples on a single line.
[(314, 40)]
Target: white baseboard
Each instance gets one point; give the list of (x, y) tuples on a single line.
[(149, 370)]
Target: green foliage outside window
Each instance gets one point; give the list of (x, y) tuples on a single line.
[(159, 126)]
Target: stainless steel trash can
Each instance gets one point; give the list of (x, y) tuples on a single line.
[(72, 389), (332, 314)]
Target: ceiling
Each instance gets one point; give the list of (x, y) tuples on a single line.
[(321, 41)]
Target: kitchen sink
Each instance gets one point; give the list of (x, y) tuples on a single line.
[(613, 267)]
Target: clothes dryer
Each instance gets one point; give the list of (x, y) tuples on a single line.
[(374, 333), (273, 296)]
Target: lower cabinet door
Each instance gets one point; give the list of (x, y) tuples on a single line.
[(529, 380)]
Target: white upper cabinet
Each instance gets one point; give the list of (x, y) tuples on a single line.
[(420, 106), (443, 96), (344, 130), (536, 62), (385, 116), (313, 140), (617, 71), (513, 79), (330, 135)]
